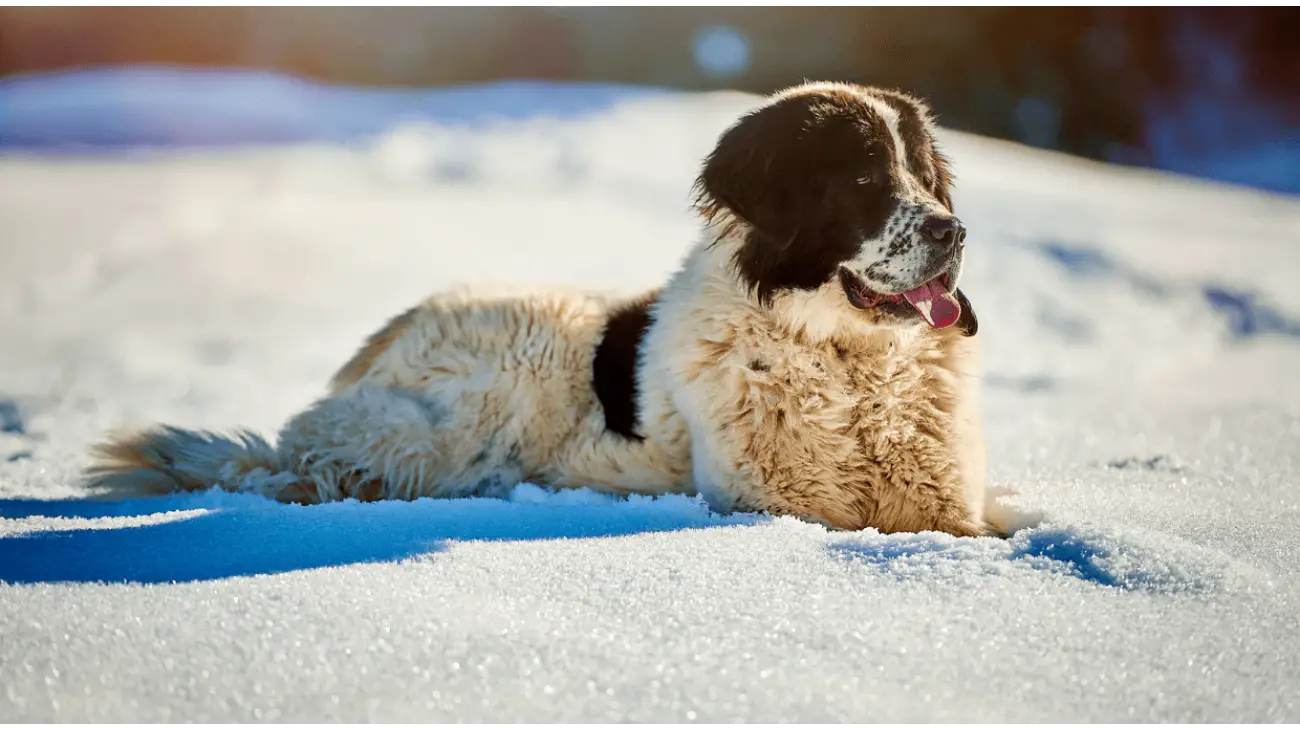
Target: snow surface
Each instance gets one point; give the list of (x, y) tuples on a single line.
[(1142, 336)]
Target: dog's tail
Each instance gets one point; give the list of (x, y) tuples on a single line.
[(163, 459)]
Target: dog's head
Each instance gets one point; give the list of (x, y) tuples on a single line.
[(837, 184)]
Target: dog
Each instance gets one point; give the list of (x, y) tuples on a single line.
[(812, 356)]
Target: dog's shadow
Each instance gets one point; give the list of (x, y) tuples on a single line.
[(214, 535), (210, 536)]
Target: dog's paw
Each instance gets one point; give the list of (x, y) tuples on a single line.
[(992, 529), (1004, 517)]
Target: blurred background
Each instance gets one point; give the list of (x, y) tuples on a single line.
[(1208, 92)]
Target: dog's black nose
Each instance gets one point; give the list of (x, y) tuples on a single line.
[(945, 229)]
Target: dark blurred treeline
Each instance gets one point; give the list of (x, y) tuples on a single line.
[(1098, 81), (1157, 86)]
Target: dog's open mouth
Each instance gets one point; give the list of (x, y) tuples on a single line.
[(934, 300)]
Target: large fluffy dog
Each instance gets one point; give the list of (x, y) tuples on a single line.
[(812, 357)]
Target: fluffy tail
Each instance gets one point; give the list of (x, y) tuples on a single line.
[(163, 460)]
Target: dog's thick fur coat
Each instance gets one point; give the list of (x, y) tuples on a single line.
[(749, 378)]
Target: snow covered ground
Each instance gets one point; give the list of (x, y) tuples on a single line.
[(1142, 339)]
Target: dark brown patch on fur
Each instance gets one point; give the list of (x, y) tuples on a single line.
[(356, 368), (614, 369)]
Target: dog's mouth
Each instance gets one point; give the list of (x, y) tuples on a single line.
[(935, 300)]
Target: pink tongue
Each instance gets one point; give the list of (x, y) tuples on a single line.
[(935, 303)]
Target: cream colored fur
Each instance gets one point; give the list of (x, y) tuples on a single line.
[(467, 394), (810, 408)]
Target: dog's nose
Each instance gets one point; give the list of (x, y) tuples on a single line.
[(945, 229)]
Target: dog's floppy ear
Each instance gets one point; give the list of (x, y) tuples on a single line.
[(751, 174), (967, 322)]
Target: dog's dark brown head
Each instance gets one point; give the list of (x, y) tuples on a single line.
[(837, 183)]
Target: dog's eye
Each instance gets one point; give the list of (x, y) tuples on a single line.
[(866, 179)]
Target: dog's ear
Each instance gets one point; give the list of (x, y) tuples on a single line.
[(967, 322), (752, 175)]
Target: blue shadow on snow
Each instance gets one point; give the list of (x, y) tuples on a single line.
[(1087, 262), (258, 537), (1070, 554), (924, 555), (11, 420), (1245, 316)]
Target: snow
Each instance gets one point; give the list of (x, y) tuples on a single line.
[(1141, 342)]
